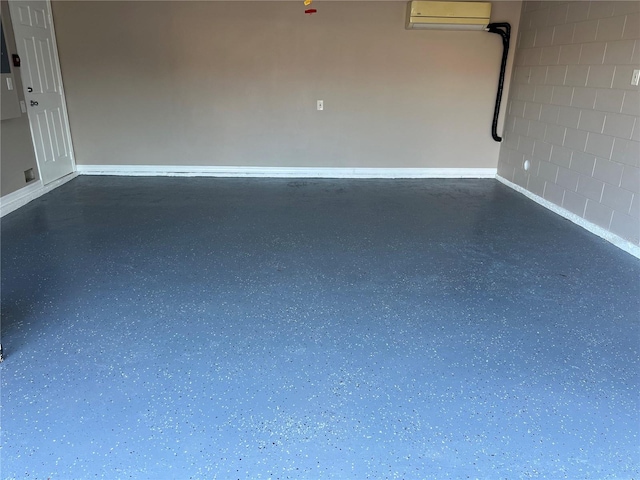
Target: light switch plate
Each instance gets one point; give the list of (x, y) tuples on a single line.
[(635, 78), (9, 83), (320, 105), (23, 106)]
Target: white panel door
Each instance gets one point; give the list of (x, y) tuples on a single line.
[(42, 82)]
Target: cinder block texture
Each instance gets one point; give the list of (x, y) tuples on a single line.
[(574, 113)]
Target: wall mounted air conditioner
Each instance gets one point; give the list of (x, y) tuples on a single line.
[(448, 15), (426, 14)]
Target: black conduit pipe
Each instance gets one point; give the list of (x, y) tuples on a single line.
[(504, 30)]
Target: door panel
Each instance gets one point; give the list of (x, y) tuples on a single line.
[(42, 83), (23, 16), (42, 134), (57, 128), (39, 17), (46, 66), (31, 76)]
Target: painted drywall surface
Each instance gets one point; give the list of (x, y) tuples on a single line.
[(574, 114), (17, 154), (236, 83), (16, 146)]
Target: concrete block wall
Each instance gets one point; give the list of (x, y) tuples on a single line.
[(574, 114)]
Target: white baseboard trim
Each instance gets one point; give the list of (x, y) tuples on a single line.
[(19, 198), (284, 172), (619, 242)]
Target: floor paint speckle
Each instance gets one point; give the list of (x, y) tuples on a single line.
[(168, 328)]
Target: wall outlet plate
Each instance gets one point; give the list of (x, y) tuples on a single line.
[(635, 78)]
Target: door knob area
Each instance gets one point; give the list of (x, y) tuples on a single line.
[(33, 103), (29, 89)]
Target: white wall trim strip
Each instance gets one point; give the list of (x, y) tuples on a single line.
[(619, 242), (284, 172), (19, 198)]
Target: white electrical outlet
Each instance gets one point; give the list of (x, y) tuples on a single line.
[(635, 78), (320, 105)]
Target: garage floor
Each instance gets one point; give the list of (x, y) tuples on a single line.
[(239, 328)]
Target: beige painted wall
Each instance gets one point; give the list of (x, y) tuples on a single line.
[(16, 147), (574, 113), (236, 83)]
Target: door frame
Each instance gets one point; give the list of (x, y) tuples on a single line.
[(62, 93)]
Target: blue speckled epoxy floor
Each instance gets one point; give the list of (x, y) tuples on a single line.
[(168, 328)]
